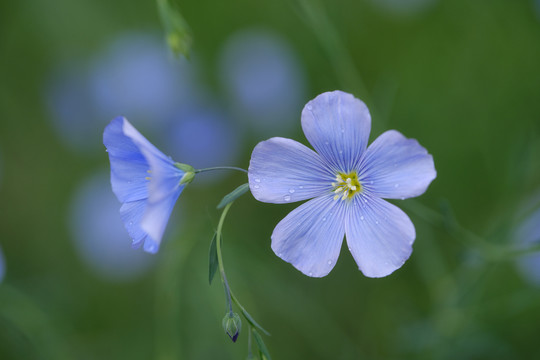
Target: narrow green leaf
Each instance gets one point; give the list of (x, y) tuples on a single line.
[(253, 322), (212, 260), (177, 31), (261, 345), (235, 194)]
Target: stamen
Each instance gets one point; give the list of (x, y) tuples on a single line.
[(346, 186)]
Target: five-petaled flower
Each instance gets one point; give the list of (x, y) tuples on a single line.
[(347, 181), (145, 181)]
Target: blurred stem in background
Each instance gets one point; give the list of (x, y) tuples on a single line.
[(168, 296)]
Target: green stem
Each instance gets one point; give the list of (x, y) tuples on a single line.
[(220, 168), (220, 258)]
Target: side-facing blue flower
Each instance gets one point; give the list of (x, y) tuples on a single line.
[(145, 181), (347, 182)]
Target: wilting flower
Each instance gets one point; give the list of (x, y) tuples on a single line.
[(347, 182), (145, 181)]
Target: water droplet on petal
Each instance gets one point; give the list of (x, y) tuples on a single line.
[(258, 180), (403, 198), (323, 219), (287, 198), (309, 107), (343, 131), (326, 143), (329, 262), (396, 186), (376, 221), (341, 151), (256, 186), (301, 187), (291, 191), (130, 223), (310, 274), (362, 217)]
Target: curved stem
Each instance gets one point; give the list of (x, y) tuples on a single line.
[(220, 168), (220, 258)]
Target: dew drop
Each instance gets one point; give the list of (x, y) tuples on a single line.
[(326, 143), (343, 131), (291, 191), (258, 180), (376, 221), (396, 186), (362, 217), (256, 186), (309, 107), (301, 187), (310, 274), (287, 198), (329, 262), (341, 151), (350, 249), (130, 223), (403, 198), (323, 219)]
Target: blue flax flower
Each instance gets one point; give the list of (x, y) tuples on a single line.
[(145, 181), (347, 183)]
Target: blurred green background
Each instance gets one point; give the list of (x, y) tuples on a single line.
[(462, 77)]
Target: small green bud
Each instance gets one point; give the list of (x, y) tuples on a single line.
[(187, 178), (232, 325), (185, 167)]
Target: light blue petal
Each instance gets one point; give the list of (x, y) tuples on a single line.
[(128, 165), (379, 235), (283, 170), (337, 125), (310, 237), (131, 214), (156, 217), (395, 167)]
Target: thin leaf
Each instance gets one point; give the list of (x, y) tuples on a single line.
[(212, 260), (235, 194), (253, 322), (261, 345)]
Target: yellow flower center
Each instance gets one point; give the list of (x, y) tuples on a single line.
[(346, 186)]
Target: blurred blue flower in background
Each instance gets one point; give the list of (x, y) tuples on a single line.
[(347, 183), (138, 77), (145, 181), (202, 135), (99, 235), (264, 80), (133, 77), (528, 234), (404, 7)]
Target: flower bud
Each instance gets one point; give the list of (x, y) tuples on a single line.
[(232, 325)]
